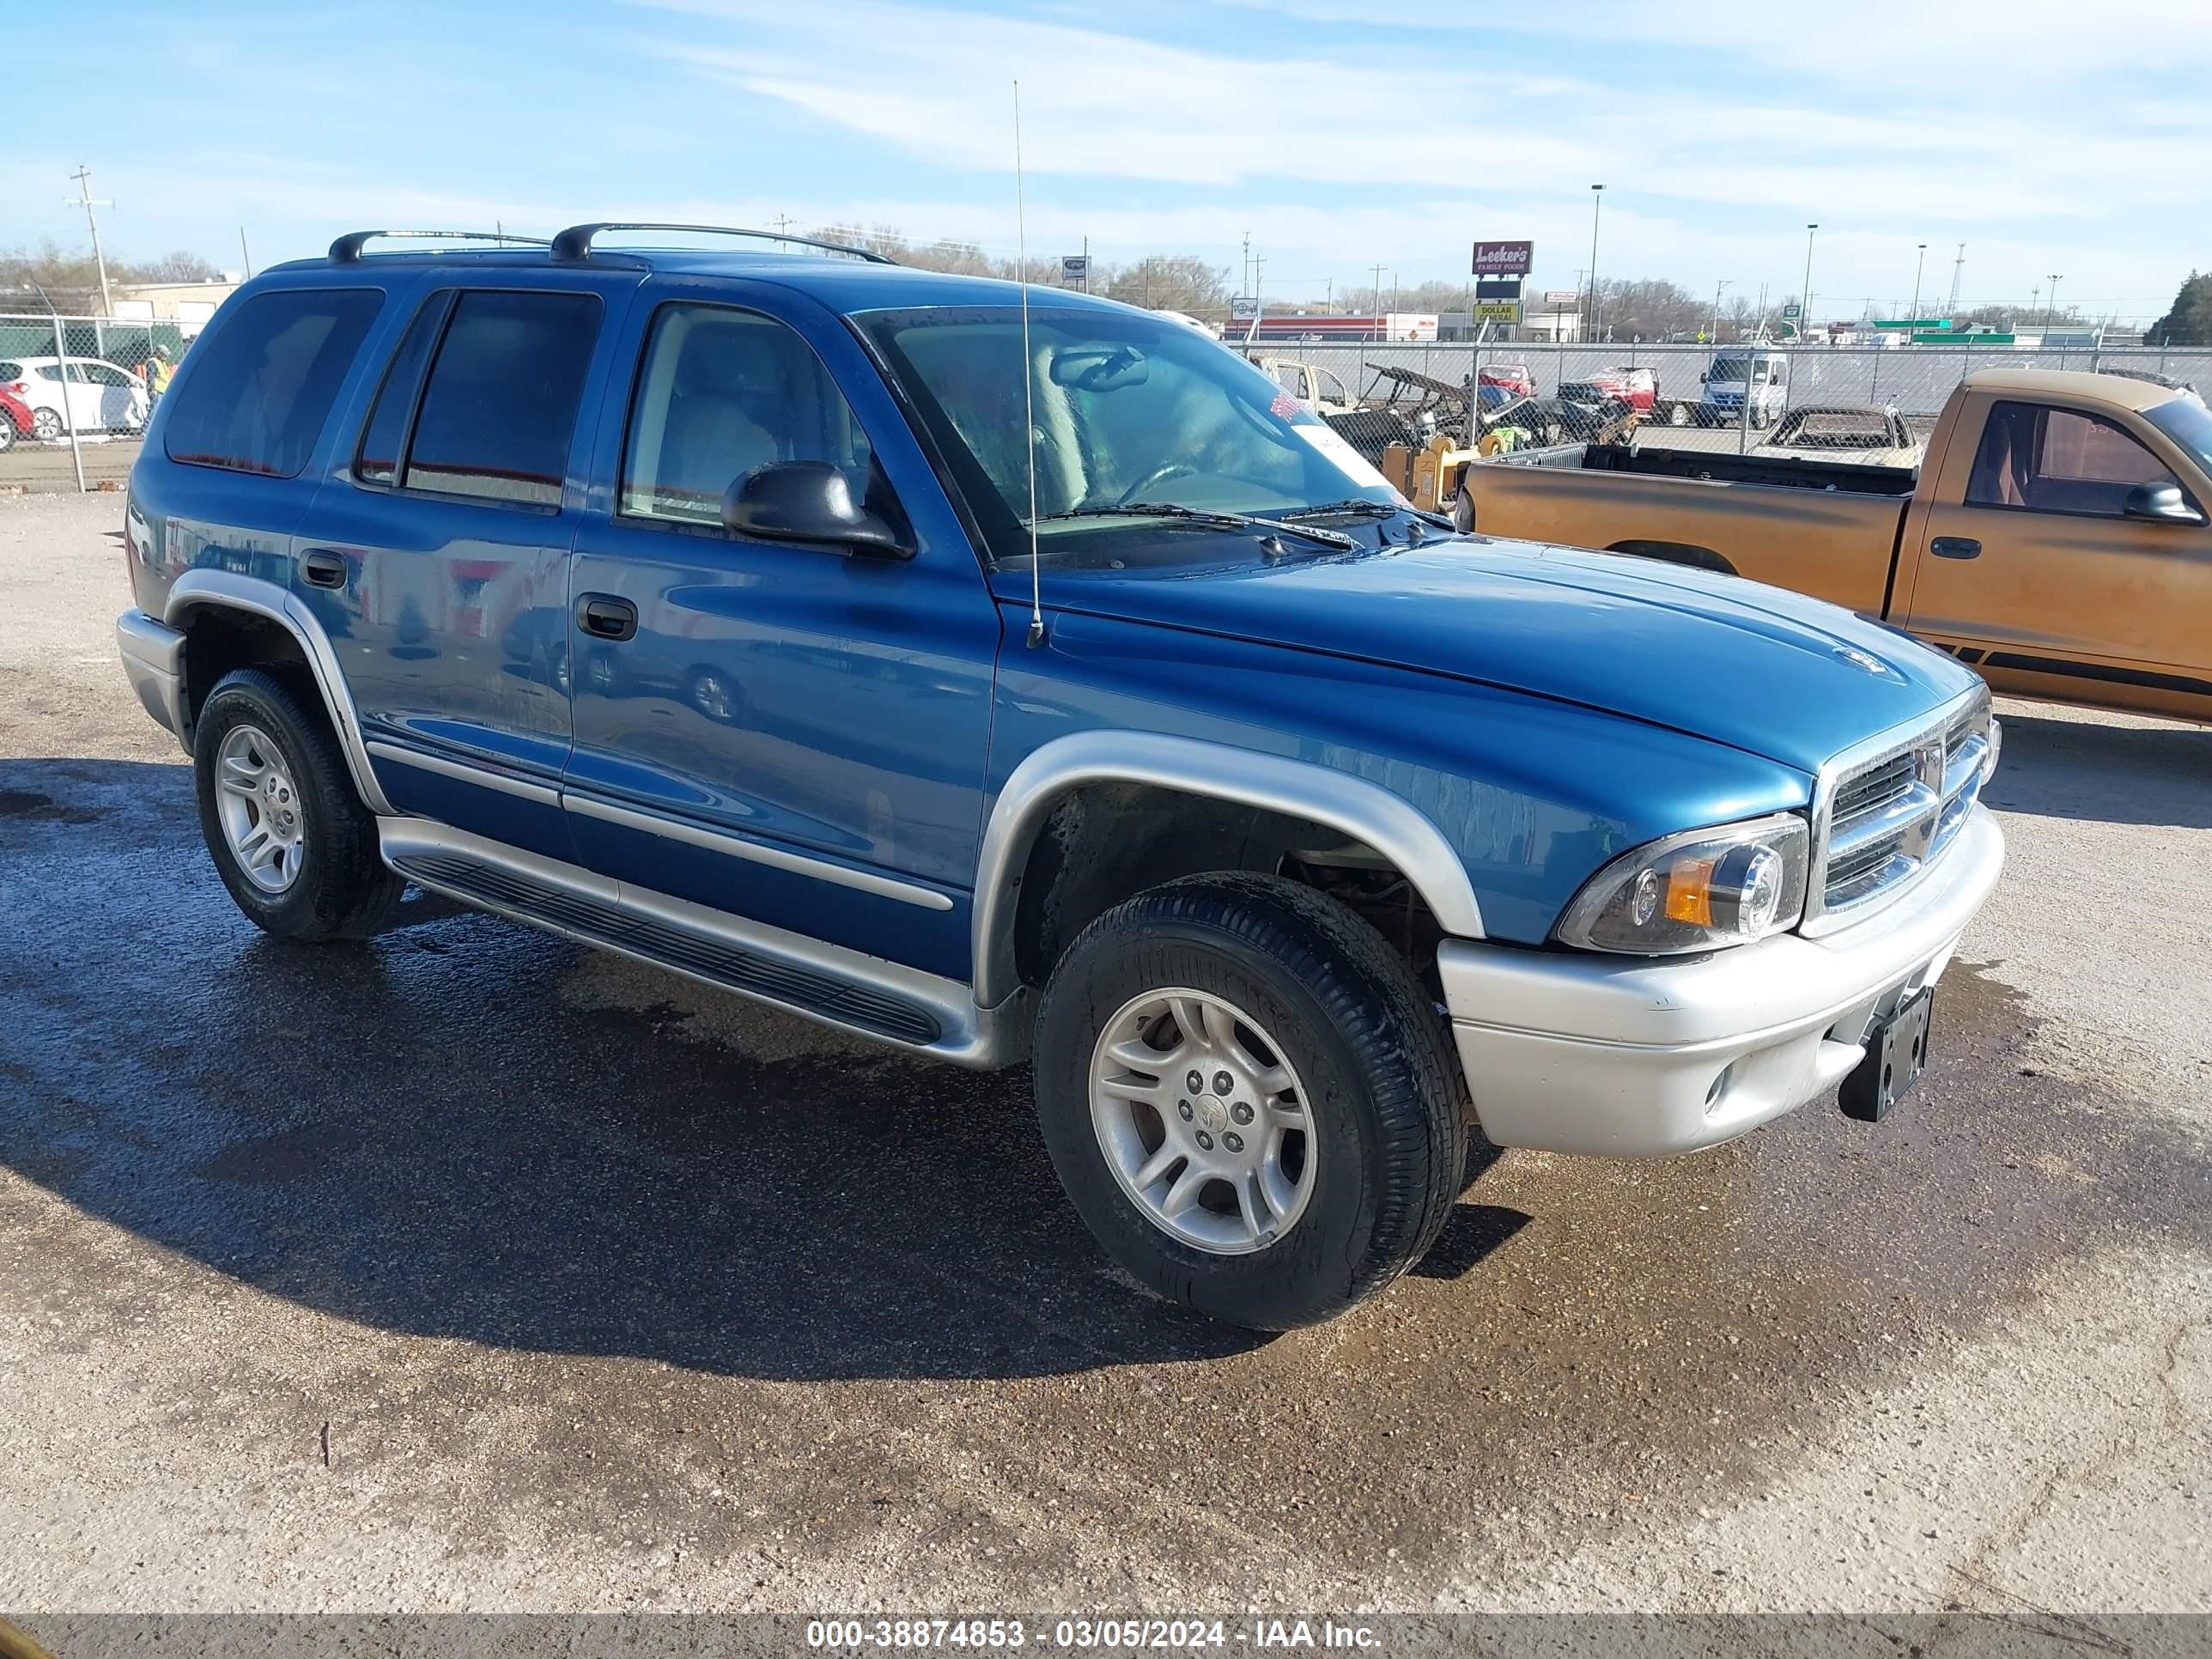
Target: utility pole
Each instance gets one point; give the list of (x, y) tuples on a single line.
[(1922, 265), (1805, 302), (1597, 201), (82, 178), (2034, 302), (244, 254), (782, 223), (1378, 289), (1717, 287), (1259, 276), (1329, 304), (1246, 286)]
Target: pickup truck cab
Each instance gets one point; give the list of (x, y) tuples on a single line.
[(1317, 388), (1011, 676), (2055, 536)]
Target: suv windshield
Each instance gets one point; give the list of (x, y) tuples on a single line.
[(1129, 411)]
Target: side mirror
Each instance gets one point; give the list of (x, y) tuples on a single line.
[(810, 502), (2161, 503), (1702, 377)]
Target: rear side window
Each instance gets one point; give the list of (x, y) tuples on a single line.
[(500, 406), (261, 389), (11, 371), (382, 441)]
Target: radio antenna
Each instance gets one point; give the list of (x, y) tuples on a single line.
[(1029, 395)]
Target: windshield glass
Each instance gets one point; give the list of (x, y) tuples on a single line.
[(1128, 410), (2184, 421), (1732, 368)]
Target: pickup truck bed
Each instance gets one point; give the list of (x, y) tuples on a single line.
[(1693, 508), (2057, 536)]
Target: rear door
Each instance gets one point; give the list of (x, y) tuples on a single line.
[(2029, 566), (438, 554), (793, 734)]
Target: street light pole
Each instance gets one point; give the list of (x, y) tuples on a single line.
[(2055, 277), (1597, 201), (1915, 312), (1805, 301)]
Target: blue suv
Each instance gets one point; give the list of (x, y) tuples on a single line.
[(1015, 676)]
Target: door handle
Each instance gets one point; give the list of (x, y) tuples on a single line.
[(606, 617), (1955, 547), (324, 569)]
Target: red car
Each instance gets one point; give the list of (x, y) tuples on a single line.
[(1514, 377), (15, 419), (1637, 387)]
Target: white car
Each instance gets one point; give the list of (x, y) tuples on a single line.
[(101, 397)]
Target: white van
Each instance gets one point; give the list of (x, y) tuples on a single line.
[(1722, 403)]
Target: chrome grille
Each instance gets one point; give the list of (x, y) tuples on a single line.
[(1888, 812)]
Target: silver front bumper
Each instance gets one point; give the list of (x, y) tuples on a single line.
[(1638, 1056), (154, 662)]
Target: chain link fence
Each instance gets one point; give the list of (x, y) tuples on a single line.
[(70, 382)]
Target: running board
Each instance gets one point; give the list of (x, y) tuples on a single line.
[(841, 988)]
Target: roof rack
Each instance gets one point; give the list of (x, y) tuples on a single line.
[(575, 242), (347, 249)]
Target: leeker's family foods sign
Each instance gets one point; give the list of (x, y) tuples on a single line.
[(1503, 258)]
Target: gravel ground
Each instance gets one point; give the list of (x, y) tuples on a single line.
[(473, 1271)]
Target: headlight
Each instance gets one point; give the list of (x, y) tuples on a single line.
[(1697, 891)]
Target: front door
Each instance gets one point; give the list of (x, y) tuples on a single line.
[(794, 734), (2029, 563)]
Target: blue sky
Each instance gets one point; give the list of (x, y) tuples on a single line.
[(2046, 135)]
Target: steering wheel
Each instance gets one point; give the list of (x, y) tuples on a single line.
[(1158, 476)]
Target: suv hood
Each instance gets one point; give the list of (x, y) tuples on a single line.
[(1773, 673)]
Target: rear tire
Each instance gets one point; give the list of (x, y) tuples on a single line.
[(45, 425), (269, 775), (1323, 1034)]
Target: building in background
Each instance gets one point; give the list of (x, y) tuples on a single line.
[(188, 305)]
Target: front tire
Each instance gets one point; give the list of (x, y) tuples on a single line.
[(292, 840), (1330, 1162)]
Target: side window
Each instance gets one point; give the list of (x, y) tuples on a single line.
[(377, 460), (720, 392), (2058, 461), (500, 406), (261, 389)]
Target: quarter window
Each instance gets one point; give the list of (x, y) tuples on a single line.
[(721, 392), (500, 407), (2058, 461), (261, 388), (377, 461)]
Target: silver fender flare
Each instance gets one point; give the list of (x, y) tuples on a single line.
[(196, 589), (1360, 809)]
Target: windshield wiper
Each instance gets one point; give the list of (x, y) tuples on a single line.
[(1369, 509), (1332, 539), (1357, 504)]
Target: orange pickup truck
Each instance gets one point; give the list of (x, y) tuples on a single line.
[(2054, 537)]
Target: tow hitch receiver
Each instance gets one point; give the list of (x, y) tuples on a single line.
[(1896, 1054)]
